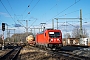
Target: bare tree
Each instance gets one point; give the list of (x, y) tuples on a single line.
[(67, 35), (85, 34), (20, 37), (76, 32)]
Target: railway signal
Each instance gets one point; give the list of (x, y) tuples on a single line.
[(3, 29), (3, 26)]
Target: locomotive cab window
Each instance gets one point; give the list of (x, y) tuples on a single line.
[(54, 34)]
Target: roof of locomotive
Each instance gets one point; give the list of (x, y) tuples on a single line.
[(52, 29), (47, 30)]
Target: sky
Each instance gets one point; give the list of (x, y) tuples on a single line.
[(43, 11)]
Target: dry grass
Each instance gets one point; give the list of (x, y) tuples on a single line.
[(30, 53)]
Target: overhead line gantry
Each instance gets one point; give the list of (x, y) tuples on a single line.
[(72, 19)]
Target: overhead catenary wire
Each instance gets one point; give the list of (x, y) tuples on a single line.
[(35, 5), (33, 8), (27, 7), (50, 9), (33, 23), (72, 25), (7, 11), (10, 6), (67, 8), (69, 13), (84, 19), (67, 25), (64, 10)]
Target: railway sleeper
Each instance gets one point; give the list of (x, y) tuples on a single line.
[(11, 55)]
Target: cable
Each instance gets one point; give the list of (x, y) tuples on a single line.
[(50, 9), (32, 23), (27, 7), (69, 13), (65, 9), (7, 11), (72, 25), (10, 6), (33, 7)]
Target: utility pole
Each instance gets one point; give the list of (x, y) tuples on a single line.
[(57, 23), (26, 27), (53, 23), (10, 33), (81, 24)]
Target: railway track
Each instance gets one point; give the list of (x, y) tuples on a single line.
[(12, 55), (68, 56), (35, 53)]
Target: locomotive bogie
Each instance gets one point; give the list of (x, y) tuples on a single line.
[(54, 45)]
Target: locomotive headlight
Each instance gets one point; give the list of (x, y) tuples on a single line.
[(51, 39), (58, 40)]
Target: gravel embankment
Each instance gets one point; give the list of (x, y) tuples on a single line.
[(31, 53)]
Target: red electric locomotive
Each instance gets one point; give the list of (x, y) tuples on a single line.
[(50, 38)]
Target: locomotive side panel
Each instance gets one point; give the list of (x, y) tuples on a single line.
[(40, 39)]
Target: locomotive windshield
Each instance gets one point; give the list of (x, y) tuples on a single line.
[(54, 34)]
